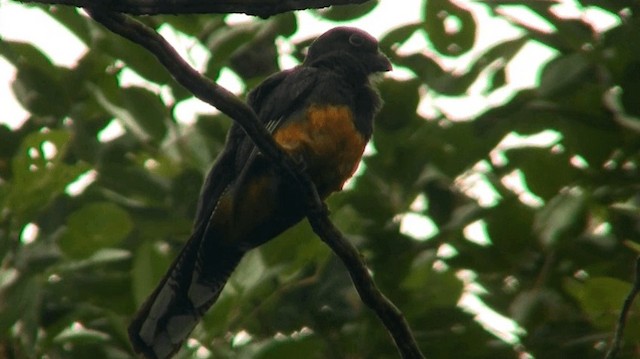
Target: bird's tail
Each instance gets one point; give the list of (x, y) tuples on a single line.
[(189, 288)]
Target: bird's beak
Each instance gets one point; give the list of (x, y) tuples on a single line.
[(381, 63)]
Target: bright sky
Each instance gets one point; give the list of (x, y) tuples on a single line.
[(16, 23), (67, 48)]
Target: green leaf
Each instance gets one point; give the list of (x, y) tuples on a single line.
[(106, 288), (613, 7), (22, 54), (101, 257), (140, 111), (39, 173), (398, 113), (256, 58), (593, 136), (631, 89), (498, 79), (562, 73), (536, 164), (286, 24), (503, 52), (633, 246), (93, 227), (69, 17), (193, 24), (563, 217), (133, 55), (150, 263), (224, 42), (449, 42), (446, 83), (8, 147), (601, 298), (432, 288), (397, 36), (571, 34), (38, 256), (294, 249), (289, 348), (134, 183), (81, 336), (425, 67), (455, 147), (40, 92), (510, 237), (148, 110), (19, 301)]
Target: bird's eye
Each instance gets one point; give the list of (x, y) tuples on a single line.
[(356, 40)]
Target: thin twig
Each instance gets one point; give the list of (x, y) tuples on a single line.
[(389, 314), (229, 104), (201, 87), (624, 313)]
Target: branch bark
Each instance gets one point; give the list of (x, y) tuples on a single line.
[(262, 8), (624, 314), (387, 312), (225, 101)]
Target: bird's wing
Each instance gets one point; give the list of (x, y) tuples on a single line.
[(273, 101), (217, 256), (198, 274)]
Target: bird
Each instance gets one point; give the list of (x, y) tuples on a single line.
[(321, 114)]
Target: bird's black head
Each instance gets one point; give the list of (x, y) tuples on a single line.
[(347, 47)]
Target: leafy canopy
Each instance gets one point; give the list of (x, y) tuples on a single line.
[(555, 252)]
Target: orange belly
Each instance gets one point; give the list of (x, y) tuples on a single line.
[(330, 146), (328, 143)]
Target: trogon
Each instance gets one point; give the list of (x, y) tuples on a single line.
[(320, 113)]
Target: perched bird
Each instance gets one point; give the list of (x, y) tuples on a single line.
[(321, 113)]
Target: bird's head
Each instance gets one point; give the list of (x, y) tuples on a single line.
[(342, 45)]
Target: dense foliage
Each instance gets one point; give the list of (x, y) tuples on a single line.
[(558, 253)]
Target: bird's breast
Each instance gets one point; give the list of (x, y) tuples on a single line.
[(326, 139)]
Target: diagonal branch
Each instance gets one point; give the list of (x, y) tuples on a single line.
[(201, 87), (387, 312), (225, 101), (262, 8), (624, 313)]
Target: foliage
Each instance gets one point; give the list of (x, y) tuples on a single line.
[(558, 266)]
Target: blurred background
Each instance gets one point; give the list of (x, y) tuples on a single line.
[(497, 205)]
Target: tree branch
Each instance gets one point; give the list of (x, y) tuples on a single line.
[(201, 87), (262, 8), (226, 102), (387, 312), (624, 313)]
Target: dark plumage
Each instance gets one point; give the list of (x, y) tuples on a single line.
[(320, 112)]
